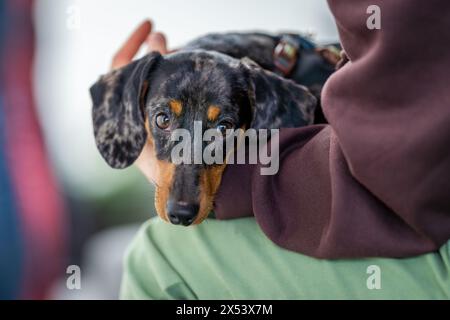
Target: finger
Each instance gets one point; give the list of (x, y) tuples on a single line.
[(132, 45), (157, 42)]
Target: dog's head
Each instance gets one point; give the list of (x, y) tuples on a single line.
[(147, 100)]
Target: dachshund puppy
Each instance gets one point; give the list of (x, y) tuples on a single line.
[(147, 100), (309, 65), (293, 56)]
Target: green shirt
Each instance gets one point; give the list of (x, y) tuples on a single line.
[(233, 259)]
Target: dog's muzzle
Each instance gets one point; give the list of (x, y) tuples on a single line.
[(180, 212)]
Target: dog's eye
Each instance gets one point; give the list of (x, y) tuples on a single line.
[(223, 126), (162, 121)]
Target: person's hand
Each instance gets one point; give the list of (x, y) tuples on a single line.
[(143, 35)]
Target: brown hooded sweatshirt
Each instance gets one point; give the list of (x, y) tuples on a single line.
[(376, 180)]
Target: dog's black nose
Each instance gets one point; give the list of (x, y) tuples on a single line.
[(181, 212)]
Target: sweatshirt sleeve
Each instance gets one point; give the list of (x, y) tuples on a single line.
[(376, 180)]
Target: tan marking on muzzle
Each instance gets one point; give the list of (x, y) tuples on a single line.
[(210, 180), (162, 191), (164, 179)]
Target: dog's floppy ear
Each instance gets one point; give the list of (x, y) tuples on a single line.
[(117, 113), (277, 102)]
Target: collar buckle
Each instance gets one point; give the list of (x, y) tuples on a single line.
[(285, 55)]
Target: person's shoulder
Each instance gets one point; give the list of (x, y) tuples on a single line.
[(145, 235)]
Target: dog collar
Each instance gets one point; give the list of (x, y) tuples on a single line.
[(285, 55), (287, 51)]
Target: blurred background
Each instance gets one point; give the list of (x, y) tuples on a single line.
[(60, 204)]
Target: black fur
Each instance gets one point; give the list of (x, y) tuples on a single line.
[(247, 94), (311, 69), (118, 121), (238, 79)]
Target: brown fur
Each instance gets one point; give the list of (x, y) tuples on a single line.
[(176, 107), (209, 184), (213, 113), (165, 172)]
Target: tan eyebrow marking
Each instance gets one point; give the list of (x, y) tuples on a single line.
[(176, 107), (213, 113)]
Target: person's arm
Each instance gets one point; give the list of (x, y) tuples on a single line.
[(376, 182)]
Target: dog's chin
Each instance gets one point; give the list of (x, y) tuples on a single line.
[(200, 218), (209, 184)]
